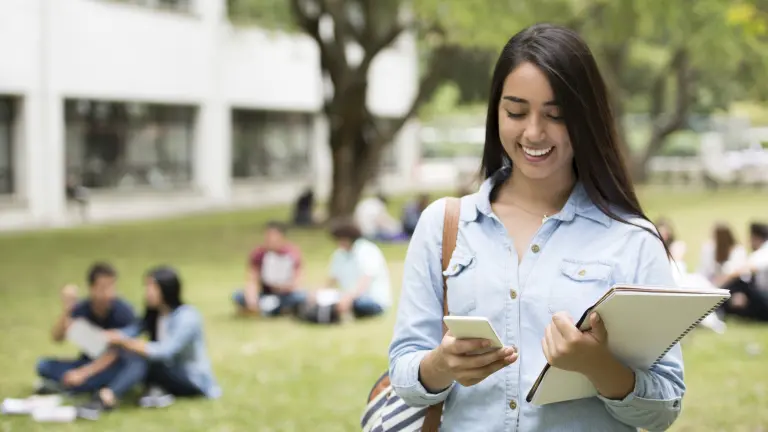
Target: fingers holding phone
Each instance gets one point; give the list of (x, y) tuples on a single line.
[(471, 350)]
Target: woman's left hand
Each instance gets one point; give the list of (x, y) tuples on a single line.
[(566, 347)]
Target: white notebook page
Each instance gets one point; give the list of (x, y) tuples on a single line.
[(641, 326), (87, 337)]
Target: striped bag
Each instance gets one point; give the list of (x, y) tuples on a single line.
[(386, 411)]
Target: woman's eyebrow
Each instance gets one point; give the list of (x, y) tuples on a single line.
[(523, 101)]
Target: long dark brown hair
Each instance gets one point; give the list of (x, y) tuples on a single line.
[(724, 242), (566, 60), (170, 290)]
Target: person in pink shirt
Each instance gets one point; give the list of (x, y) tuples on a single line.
[(274, 269)]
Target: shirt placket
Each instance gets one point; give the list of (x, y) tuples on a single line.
[(518, 276)]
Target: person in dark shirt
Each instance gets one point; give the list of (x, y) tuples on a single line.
[(101, 308), (304, 209)]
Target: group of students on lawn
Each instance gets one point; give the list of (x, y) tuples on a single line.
[(164, 350), (726, 263)]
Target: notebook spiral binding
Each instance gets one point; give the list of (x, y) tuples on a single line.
[(689, 329)]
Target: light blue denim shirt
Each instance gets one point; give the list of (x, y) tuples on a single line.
[(183, 347), (485, 280)]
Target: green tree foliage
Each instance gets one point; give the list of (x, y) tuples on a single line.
[(666, 59)]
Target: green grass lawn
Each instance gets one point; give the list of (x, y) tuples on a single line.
[(281, 376)]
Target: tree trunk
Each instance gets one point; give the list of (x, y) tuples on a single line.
[(355, 162), (664, 123)]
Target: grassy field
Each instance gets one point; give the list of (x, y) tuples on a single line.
[(281, 376)]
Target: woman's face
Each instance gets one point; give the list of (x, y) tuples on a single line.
[(531, 127), (154, 296)]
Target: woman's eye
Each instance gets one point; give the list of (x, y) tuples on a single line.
[(514, 115), (556, 117)]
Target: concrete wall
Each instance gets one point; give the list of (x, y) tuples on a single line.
[(99, 49)]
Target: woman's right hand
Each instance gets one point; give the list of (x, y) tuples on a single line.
[(454, 357)]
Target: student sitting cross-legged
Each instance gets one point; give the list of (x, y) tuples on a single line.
[(273, 274), (358, 270), (102, 308), (177, 362)]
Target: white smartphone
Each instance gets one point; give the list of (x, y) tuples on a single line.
[(473, 327)]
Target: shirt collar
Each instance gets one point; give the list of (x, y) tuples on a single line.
[(578, 204)]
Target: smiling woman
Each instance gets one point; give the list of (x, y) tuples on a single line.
[(555, 224)]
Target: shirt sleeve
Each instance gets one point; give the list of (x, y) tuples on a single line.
[(759, 259), (256, 258), (370, 260), (736, 260), (178, 337), (707, 260), (656, 400), (418, 328)]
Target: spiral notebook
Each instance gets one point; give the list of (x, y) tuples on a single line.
[(643, 324)]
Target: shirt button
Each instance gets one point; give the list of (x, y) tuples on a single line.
[(535, 248), (513, 404), (513, 294)]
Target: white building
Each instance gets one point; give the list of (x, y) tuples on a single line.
[(164, 110)]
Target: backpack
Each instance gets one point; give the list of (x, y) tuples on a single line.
[(385, 411)]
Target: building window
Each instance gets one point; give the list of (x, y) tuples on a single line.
[(117, 145), (270, 144), (7, 120)]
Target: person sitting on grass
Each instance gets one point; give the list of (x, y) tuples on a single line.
[(273, 274), (748, 283), (102, 309), (175, 359), (359, 271)]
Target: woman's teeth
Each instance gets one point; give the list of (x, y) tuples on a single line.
[(536, 152)]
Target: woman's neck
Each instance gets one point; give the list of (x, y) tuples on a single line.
[(546, 195), (163, 310)]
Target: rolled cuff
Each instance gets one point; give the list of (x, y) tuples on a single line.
[(406, 383), (643, 408)]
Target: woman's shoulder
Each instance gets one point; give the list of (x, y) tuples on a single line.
[(434, 213), (638, 233), (633, 225), (188, 313)]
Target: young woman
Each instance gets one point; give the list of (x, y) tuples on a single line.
[(722, 254), (554, 225), (177, 362)]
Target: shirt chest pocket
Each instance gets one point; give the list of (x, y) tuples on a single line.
[(578, 285), (460, 278)]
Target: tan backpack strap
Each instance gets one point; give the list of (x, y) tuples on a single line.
[(450, 233)]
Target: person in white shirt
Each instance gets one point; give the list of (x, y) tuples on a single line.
[(375, 222), (359, 270), (682, 277), (722, 254), (748, 283)]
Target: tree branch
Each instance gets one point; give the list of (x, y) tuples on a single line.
[(428, 84), (343, 28), (680, 65), (310, 24), (374, 47), (661, 129)]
